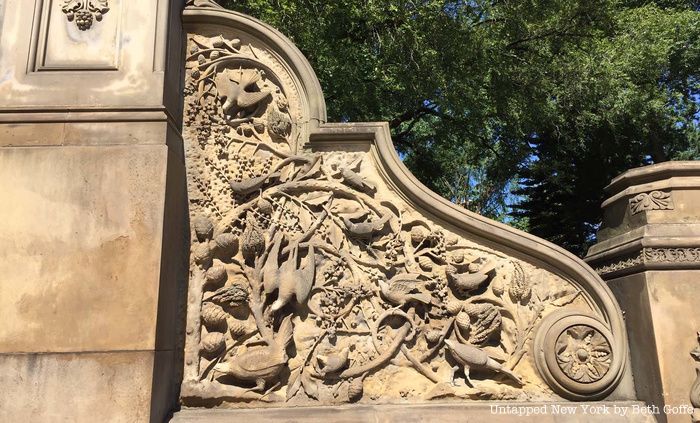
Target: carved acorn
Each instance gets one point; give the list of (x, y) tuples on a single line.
[(213, 343), (215, 276), (203, 228), (252, 242), (202, 254), (519, 289), (485, 321), (226, 244), (213, 316)]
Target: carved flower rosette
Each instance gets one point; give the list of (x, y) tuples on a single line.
[(313, 282)]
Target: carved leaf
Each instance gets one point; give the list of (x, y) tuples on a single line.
[(310, 386), (294, 383), (565, 299)]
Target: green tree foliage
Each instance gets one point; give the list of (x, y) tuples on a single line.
[(521, 110)]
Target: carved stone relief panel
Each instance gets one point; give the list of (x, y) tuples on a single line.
[(313, 282)]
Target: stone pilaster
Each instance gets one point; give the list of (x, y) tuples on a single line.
[(649, 253), (92, 210)]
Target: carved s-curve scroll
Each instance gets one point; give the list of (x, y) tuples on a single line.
[(315, 277)]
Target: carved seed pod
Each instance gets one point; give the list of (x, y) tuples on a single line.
[(216, 276), (463, 322), (237, 328), (213, 316), (203, 228), (265, 206), (356, 389), (425, 263), (454, 307), (457, 257), (252, 243), (418, 234), (202, 254), (213, 343), (519, 289), (486, 322), (234, 295), (226, 244), (450, 270), (433, 336)]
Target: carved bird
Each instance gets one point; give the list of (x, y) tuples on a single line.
[(354, 180), (328, 364), (292, 278), (259, 364), (365, 230), (464, 282), (470, 357), (236, 92), (404, 288)]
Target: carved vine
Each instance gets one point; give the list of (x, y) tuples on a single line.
[(651, 255), (307, 285)]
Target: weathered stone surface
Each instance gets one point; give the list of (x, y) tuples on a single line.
[(114, 387), (81, 247)]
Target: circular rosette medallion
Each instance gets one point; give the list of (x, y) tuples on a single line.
[(576, 355)]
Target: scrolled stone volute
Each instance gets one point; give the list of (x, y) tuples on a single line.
[(348, 280)]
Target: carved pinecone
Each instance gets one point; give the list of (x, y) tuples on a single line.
[(279, 124), (463, 322), (202, 254), (213, 343), (519, 289), (213, 316), (226, 244), (203, 228), (356, 389), (216, 276), (418, 234), (425, 263), (486, 321), (237, 328), (234, 295), (252, 243), (454, 307), (433, 336)]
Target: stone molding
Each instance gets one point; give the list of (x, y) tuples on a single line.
[(654, 200), (650, 258)]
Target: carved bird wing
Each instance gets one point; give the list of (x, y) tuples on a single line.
[(246, 99), (271, 270), (305, 277)]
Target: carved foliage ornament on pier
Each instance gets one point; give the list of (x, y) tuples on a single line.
[(85, 12), (313, 282)]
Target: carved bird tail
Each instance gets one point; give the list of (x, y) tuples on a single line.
[(285, 332), (423, 298), (493, 364)]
